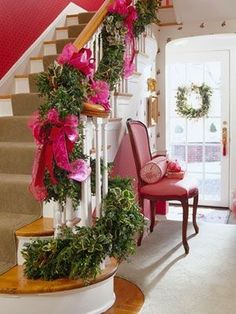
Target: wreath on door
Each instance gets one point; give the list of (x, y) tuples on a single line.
[(185, 109)]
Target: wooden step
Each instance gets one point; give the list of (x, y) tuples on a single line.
[(14, 282), (42, 227)]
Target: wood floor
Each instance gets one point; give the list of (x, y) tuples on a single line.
[(129, 298)]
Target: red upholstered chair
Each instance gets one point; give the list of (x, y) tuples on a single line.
[(164, 190)]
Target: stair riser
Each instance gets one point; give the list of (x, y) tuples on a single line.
[(22, 164), (14, 130), (5, 107), (15, 197), (22, 85), (62, 34), (36, 66), (49, 49), (72, 20)]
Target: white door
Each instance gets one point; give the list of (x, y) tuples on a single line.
[(198, 143)]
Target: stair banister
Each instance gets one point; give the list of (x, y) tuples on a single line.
[(91, 28)]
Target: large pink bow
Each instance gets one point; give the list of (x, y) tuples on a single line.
[(80, 59), (55, 140)]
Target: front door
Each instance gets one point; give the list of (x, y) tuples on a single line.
[(197, 144)]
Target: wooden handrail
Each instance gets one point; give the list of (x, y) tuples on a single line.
[(92, 26)]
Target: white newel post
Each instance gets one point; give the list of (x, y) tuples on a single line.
[(105, 171), (98, 123)]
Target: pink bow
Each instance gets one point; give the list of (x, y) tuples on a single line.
[(55, 139), (80, 59)]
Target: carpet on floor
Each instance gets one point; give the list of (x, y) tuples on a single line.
[(203, 282), (210, 215)]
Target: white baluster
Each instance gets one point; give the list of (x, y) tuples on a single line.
[(88, 137), (69, 212), (84, 186), (98, 122), (58, 220), (105, 171)]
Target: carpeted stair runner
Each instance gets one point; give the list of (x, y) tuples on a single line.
[(17, 206)]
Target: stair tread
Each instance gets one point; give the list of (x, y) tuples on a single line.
[(14, 282), (17, 144), (41, 227), (9, 177)]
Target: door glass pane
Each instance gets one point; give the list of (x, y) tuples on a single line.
[(195, 73), (212, 187), (177, 74), (178, 130), (195, 158), (215, 107), (195, 131), (178, 152), (213, 74), (213, 130), (213, 158)]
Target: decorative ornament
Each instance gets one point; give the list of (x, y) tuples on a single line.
[(186, 110), (152, 84)]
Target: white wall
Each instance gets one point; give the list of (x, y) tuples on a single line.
[(225, 40)]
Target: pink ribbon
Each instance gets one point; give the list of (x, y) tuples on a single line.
[(55, 140)]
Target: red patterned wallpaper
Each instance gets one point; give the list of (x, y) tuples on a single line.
[(22, 22)]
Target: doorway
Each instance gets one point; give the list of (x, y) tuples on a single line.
[(197, 143)]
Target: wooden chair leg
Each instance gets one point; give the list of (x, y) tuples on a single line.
[(153, 214), (195, 204), (185, 206)]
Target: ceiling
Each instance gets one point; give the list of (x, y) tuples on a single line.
[(188, 11)]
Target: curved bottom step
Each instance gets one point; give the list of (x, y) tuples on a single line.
[(20, 295)]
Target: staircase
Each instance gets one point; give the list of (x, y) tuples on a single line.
[(22, 219)]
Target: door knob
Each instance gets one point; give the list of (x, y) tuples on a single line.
[(224, 140)]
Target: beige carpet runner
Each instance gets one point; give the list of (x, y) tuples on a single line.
[(203, 282), (17, 206)]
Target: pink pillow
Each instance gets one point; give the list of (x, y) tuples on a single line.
[(154, 170)]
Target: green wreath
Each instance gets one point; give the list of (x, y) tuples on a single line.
[(184, 109)]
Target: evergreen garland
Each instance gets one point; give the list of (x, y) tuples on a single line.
[(79, 254)]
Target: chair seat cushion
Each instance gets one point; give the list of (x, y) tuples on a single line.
[(171, 188)]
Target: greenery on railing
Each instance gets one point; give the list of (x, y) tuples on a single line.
[(79, 254)]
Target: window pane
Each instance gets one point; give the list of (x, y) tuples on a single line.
[(178, 130), (195, 158), (213, 130), (212, 187), (195, 73), (213, 158), (195, 131), (213, 74), (177, 152), (215, 106)]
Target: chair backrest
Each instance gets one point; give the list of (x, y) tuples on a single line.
[(140, 144)]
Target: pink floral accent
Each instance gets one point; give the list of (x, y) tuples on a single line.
[(100, 94), (173, 166), (80, 170), (131, 18), (128, 67), (119, 7), (67, 54), (81, 60)]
